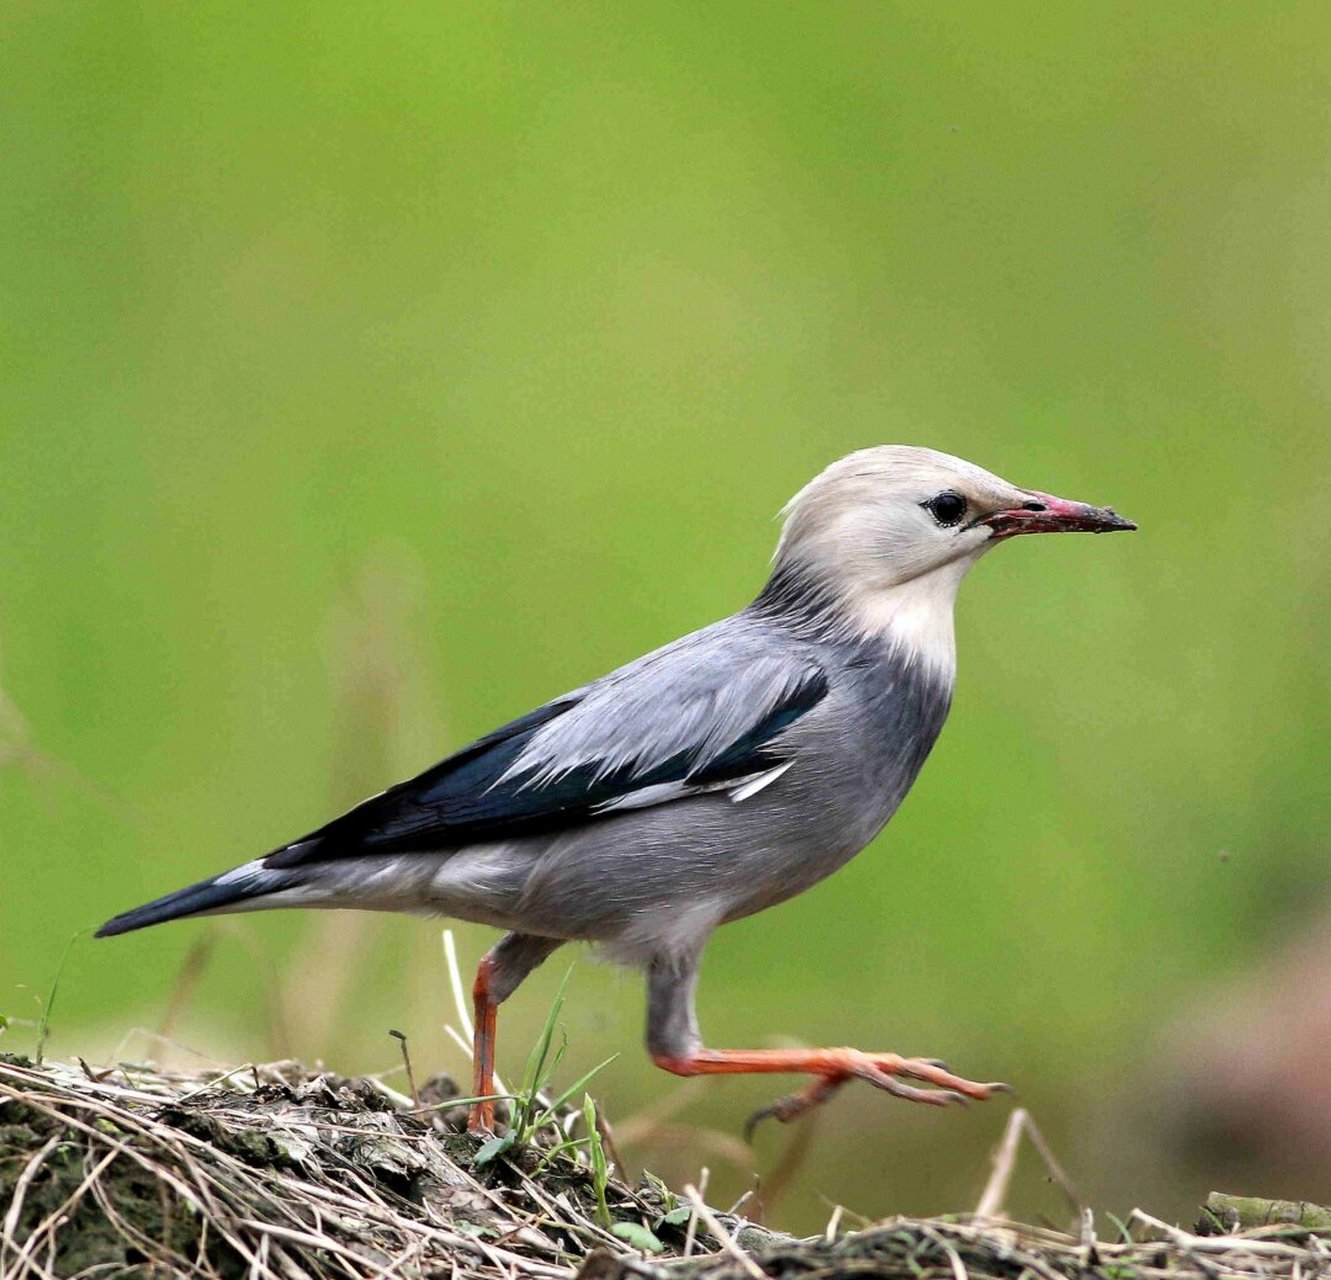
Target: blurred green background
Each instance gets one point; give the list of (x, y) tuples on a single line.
[(373, 373)]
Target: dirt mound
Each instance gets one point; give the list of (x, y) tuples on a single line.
[(280, 1172), (277, 1170)]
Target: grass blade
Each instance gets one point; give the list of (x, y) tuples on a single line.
[(538, 1061), (579, 1084), (44, 1022)]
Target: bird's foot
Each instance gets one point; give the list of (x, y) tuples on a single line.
[(884, 1071)]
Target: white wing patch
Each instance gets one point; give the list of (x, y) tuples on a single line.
[(751, 786), (658, 793), (663, 792), (239, 875)]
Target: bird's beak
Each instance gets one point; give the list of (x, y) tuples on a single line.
[(1043, 513)]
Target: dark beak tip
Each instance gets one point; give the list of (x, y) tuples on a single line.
[(1048, 514)]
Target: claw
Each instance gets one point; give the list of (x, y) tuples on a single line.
[(794, 1105), (777, 1111), (756, 1118)]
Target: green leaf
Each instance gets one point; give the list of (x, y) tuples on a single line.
[(494, 1148), (595, 1151), (596, 1156), (638, 1236), (449, 1103), (676, 1217)]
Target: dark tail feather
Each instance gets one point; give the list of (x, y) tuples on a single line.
[(207, 896)]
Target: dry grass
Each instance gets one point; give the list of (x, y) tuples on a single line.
[(274, 1171), (277, 1173), (961, 1249)]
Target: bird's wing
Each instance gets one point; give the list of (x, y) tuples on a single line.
[(684, 720)]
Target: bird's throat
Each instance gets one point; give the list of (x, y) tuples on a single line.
[(914, 617)]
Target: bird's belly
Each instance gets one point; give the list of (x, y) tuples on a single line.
[(797, 856), (708, 856)]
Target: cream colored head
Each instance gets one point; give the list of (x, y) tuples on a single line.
[(884, 536)]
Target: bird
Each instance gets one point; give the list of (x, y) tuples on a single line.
[(710, 779)]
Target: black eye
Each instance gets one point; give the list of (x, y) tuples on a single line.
[(947, 508)]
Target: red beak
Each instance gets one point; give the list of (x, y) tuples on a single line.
[(1043, 513)]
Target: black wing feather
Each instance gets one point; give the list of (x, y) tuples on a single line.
[(474, 795)]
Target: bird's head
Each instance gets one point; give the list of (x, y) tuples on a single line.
[(897, 527)]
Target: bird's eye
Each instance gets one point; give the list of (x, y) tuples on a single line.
[(947, 508)]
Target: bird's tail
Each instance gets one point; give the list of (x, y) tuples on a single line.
[(220, 893)]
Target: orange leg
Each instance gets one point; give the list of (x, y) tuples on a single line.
[(485, 1011), (831, 1069), (498, 975)]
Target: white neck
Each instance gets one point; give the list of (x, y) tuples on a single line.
[(915, 616)]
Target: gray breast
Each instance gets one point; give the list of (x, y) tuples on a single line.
[(855, 757)]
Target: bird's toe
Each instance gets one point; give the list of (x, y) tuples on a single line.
[(909, 1093)]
